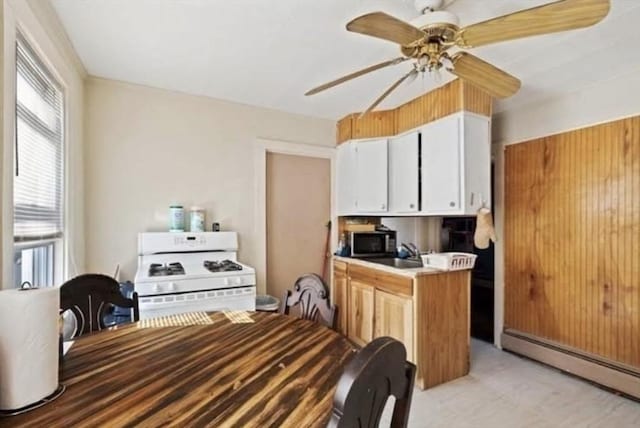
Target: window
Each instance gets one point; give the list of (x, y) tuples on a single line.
[(38, 191)]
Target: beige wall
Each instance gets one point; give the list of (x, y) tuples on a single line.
[(2, 163), (613, 99), (148, 148), (599, 103), (424, 232), (38, 22), (298, 209)]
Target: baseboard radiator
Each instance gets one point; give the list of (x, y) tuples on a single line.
[(625, 379)]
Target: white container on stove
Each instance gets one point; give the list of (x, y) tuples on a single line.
[(176, 218), (197, 219)]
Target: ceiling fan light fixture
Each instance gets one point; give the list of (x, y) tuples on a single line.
[(440, 17), (423, 6), (427, 39)]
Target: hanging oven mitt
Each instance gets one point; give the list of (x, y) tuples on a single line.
[(484, 229)]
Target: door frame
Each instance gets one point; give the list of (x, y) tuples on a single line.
[(262, 147)]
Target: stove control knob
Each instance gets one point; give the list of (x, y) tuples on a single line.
[(172, 286), (155, 288), (226, 281), (238, 281)]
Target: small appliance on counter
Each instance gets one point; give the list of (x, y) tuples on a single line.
[(379, 243)]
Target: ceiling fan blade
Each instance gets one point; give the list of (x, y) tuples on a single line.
[(561, 15), (388, 91), (355, 74), (485, 76), (387, 27)]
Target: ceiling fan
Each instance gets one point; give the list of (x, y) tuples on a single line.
[(427, 39)]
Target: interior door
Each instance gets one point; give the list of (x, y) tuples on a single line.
[(298, 208), (441, 166), (404, 173), (371, 173)]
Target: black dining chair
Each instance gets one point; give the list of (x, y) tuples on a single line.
[(89, 297), (377, 372), (310, 296)]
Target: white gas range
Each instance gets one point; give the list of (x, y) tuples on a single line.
[(189, 272)]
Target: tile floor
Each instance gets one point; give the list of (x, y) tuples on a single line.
[(504, 390)]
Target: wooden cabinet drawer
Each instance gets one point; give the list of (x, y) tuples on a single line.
[(395, 284)]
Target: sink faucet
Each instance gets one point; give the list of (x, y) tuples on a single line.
[(411, 249)]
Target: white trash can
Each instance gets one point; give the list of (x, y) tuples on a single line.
[(266, 303)]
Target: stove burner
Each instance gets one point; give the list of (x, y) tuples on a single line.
[(157, 269), (221, 266)]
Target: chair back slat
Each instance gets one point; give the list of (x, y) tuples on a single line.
[(311, 297), (89, 297), (379, 371)]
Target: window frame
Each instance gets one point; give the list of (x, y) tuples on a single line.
[(60, 244)]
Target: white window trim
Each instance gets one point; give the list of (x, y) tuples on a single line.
[(24, 22)]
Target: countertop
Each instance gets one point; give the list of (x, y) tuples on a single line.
[(411, 272)]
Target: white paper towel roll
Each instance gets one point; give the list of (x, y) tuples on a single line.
[(28, 346)]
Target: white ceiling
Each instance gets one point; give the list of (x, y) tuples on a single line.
[(268, 53)]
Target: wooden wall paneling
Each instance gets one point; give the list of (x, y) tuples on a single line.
[(344, 130), (374, 124), (633, 228), (431, 106), (476, 100), (589, 286), (443, 101), (572, 227)]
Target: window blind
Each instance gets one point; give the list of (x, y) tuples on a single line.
[(38, 181)]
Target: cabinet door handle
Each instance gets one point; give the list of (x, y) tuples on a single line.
[(452, 204), (412, 206), (383, 206), (471, 198)]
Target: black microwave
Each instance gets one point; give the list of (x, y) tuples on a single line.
[(373, 244)]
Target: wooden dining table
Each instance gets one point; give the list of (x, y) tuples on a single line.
[(254, 369)]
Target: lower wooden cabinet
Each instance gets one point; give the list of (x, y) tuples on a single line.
[(361, 312), (375, 313), (341, 297), (394, 318), (429, 314)]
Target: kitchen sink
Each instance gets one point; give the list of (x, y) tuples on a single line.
[(395, 262)]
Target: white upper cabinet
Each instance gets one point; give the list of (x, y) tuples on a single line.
[(441, 166), (404, 177), (456, 165), (361, 177), (476, 168), (346, 178), (371, 176)]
